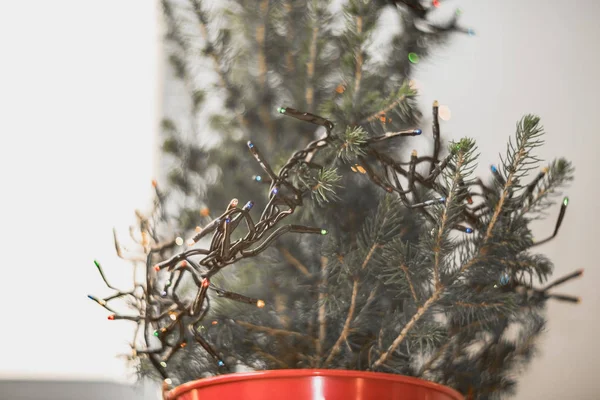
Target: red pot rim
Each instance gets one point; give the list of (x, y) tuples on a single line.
[(286, 373)]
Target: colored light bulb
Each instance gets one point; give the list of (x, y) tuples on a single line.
[(413, 58), (260, 304), (324, 232), (163, 294), (418, 131), (156, 333), (494, 169), (249, 205), (205, 283), (168, 282), (566, 201), (281, 110), (275, 190), (470, 32), (227, 220), (469, 230), (163, 364), (111, 317), (220, 363), (97, 264), (156, 268), (178, 241), (250, 144), (442, 199)]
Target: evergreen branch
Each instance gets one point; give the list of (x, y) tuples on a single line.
[(385, 110), (437, 249), (527, 132)]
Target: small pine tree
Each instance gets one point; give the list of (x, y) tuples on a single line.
[(424, 270)]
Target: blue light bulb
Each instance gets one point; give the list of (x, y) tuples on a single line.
[(249, 205), (494, 169), (275, 190), (220, 363), (250, 144), (418, 131), (469, 230)]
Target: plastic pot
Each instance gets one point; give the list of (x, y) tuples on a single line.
[(312, 384)]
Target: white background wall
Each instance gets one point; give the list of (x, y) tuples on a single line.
[(78, 94)]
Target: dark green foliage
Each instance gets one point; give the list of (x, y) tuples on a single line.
[(345, 301)]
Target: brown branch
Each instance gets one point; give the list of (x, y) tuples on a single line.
[(505, 193), (412, 289), (359, 59), (270, 358), (310, 67), (273, 331), (400, 338), (289, 56), (336, 347), (294, 261), (322, 308)]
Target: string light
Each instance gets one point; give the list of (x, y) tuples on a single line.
[(444, 113), (232, 204), (99, 301), (413, 58), (464, 229)]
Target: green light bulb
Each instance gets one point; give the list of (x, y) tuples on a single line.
[(156, 333), (566, 201), (323, 231), (97, 264), (281, 110), (413, 58)]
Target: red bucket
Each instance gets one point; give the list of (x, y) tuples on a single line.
[(312, 384)]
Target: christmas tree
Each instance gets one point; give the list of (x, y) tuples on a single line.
[(351, 251)]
